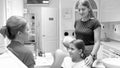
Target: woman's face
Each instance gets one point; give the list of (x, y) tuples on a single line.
[(25, 34), (74, 52), (83, 11)]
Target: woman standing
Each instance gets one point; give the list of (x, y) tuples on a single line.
[(16, 31), (88, 29)]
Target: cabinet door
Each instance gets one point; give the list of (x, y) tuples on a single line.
[(49, 21)]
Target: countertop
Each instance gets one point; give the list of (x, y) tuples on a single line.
[(111, 49), (44, 61), (112, 43)]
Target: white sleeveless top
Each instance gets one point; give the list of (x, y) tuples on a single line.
[(67, 63)]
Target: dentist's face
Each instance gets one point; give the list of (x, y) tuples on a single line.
[(25, 34), (83, 11)]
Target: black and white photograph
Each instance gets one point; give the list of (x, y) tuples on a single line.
[(59, 34)]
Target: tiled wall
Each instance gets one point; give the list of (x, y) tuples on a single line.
[(109, 30)]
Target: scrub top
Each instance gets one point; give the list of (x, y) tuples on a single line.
[(23, 53)]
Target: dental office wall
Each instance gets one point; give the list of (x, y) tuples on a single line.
[(66, 19), (36, 9), (14, 7), (2, 13), (9, 8), (109, 18), (109, 10)]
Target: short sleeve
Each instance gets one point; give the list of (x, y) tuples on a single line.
[(29, 59), (96, 24)]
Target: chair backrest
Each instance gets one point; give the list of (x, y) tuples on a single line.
[(58, 58)]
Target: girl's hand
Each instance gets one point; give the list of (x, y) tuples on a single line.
[(89, 60)]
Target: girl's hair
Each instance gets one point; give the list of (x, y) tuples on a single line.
[(67, 40), (87, 4), (13, 26), (79, 44)]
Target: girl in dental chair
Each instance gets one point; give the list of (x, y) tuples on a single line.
[(76, 51)]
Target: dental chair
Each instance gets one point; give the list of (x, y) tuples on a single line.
[(59, 56)]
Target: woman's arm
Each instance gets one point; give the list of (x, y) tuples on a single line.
[(97, 34), (89, 59)]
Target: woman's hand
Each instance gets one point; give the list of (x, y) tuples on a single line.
[(89, 60)]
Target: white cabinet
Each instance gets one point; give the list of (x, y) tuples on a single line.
[(49, 28)]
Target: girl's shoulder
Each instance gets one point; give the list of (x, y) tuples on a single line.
[(67, 63), (68, 59)]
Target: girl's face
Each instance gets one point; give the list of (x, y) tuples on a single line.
[(74, 52), (83, 11)]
